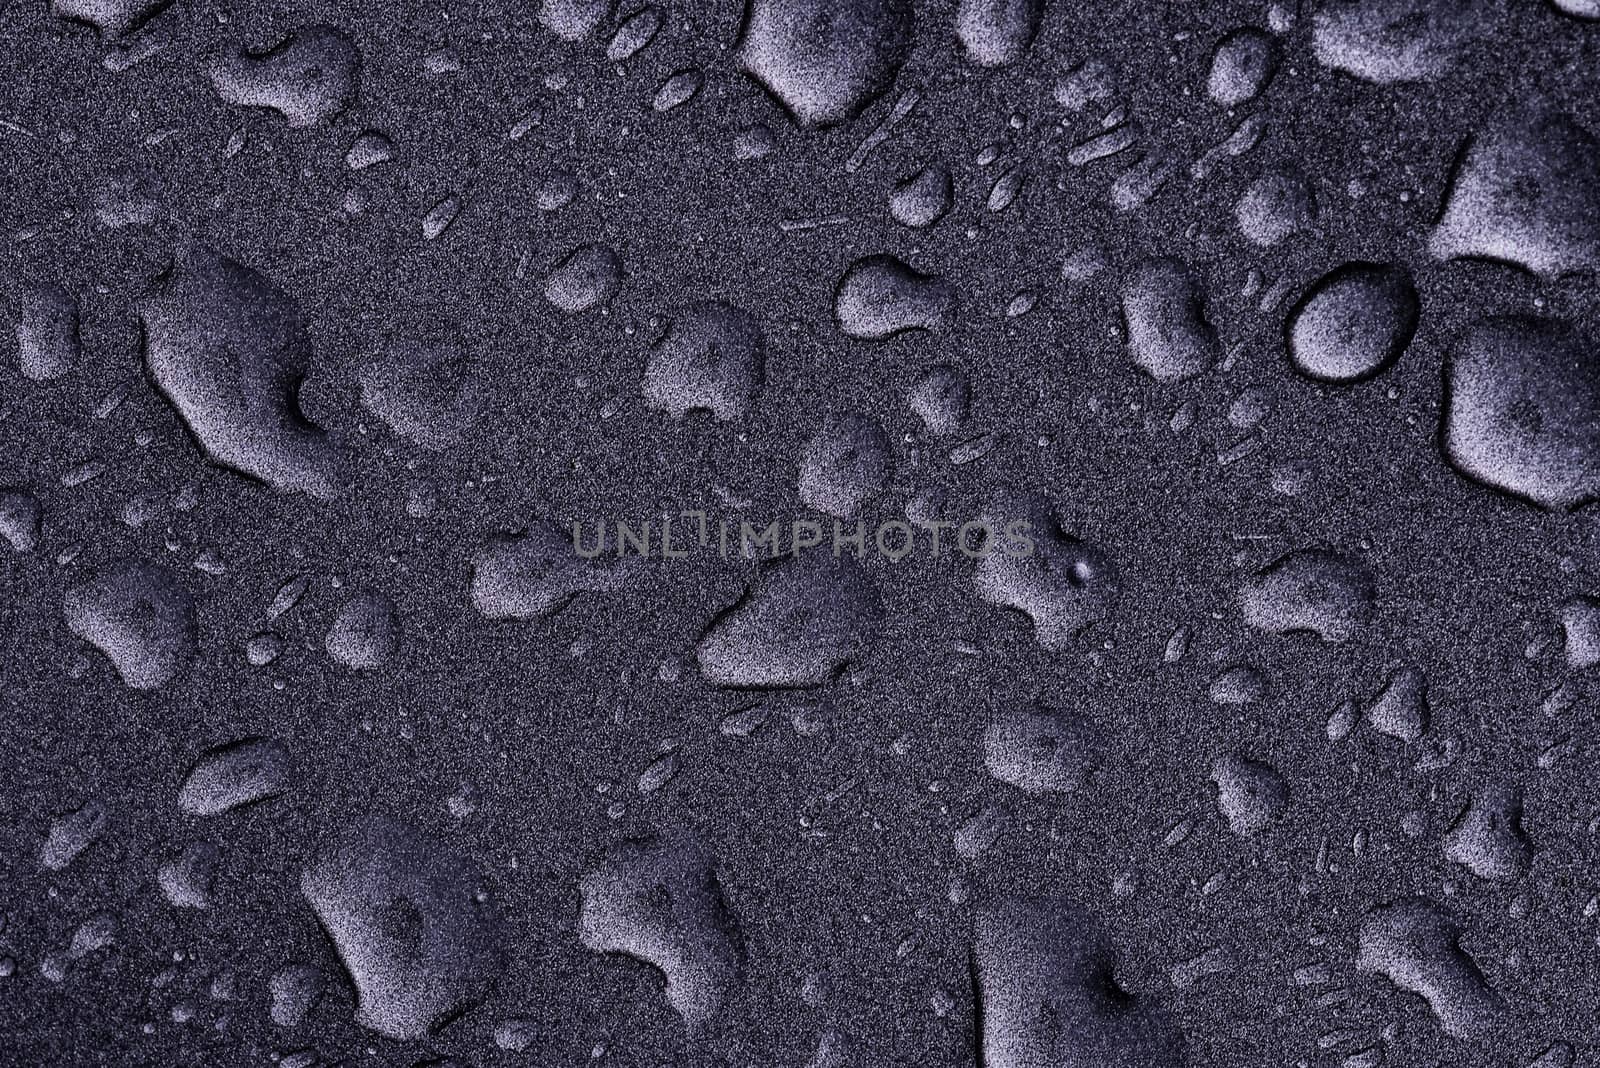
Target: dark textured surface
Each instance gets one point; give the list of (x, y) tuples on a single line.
[(320, 746)]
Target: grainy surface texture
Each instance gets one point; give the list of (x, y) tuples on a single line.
[(1244, 355)]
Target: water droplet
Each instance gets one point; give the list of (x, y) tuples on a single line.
[(573, 20), (1040, 749), (658, 900), (234, 775), (1416, 946), (801, 621), (1250, 793), (308, 77), (1045, 992), (924, 198), (635, 34), (139, 615), (825, 61), (408, 921), (365, 633), (1312, 591), (1353, 322), (72, 833), (1163, 314), (1523, 410), (227, 348), (535, 573), (1242, 65), (711, 358), (47, 332), (587, 277), (997, 33), (1401, 710), (846, 463), (1524, 193), (1274, 207), (880, 296)]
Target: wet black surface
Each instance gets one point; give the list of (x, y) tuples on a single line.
[(1275, 324)]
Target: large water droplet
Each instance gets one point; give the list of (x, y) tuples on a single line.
[(1163, 313), (710, 359), (309, 77), (880, 296), (1353, 322), (139, 615), (237, 774), (228, 349), (1045, 989), (799, 624), (1525, 193), (658, 900), (997, 33), (825, 60), (409, 920), (1523, 410)]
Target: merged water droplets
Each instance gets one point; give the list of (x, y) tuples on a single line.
[(228, 349), (658, 900), (1353, 322), (799, 624), (825, 60), (140, 616), (308, 77), (1524, 193), (1061, 583), (1312, 591), (880, 296), (711, 358), (1523, 410), (1488, 839), (410, 922), (1417, 946)]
